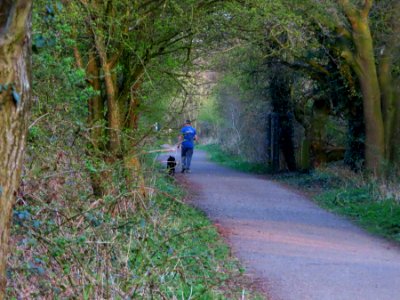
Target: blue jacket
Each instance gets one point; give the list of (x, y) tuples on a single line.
[(188, 133)]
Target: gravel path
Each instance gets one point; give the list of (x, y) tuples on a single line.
[(294, 248)]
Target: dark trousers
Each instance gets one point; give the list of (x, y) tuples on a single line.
[(186, 155)]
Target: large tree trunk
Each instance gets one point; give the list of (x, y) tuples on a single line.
[(387, 82), (15, 95), (363, 63), (388, 100), (374, 126), (396, 128)]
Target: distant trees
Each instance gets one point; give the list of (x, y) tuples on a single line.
[(15, 99)]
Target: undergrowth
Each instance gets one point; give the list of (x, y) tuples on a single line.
[(67, 244)]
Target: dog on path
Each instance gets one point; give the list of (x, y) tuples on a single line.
[(171, 164)]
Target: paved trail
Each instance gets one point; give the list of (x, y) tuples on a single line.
[(297, 250)]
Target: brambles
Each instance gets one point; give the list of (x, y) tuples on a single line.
[(68, 242)]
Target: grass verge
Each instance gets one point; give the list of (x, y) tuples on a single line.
[(363, 201), (371, 203), (233, 161)]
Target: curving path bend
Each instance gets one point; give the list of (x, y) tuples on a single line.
[(296, 250)]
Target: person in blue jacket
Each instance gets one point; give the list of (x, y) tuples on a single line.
[(186, 140)]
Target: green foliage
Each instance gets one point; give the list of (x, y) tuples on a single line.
[(58, 87), (208, 111)]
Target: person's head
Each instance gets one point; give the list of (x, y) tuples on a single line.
[(188, 122)]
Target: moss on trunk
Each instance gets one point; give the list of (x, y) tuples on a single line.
[(363, 62)]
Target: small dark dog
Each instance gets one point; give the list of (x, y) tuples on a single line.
[(171, 164)]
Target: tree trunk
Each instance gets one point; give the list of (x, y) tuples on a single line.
[(15, 98), (96, 103), (134, 174), (388, 101), (286, 140), (305, 160), (133, 168), (96, 124), (374, 127), (386, 81), (114, 109), (133, 114), (95, 116), (363, 63), (396, 128), (355, 152), (317, 132)]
